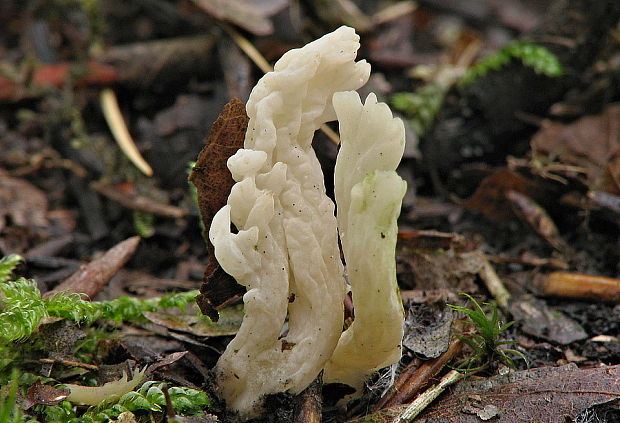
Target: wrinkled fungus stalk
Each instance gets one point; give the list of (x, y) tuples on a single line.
[(286, 249), (369, 194)]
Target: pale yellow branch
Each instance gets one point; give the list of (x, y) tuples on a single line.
[(426, 398), (116, 123)]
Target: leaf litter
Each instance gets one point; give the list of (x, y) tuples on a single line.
[(564, 190)]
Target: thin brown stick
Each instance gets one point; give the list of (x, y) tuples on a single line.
[(309, 404), (138, 202), (426, 398), (69, 363), (92, 277), (494, 284), (579, 285), (413, 379)]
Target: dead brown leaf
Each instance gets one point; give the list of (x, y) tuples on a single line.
[(92, 277), (536, 318), (546, 394), (21, 202), (251, 15), (591, 143), (45, 394), (213, 183), (431, 240), (490, 197), (428, 328), (447, 270), (167, 360)]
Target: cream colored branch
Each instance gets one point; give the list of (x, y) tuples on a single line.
[(116, 123), (428, 396)]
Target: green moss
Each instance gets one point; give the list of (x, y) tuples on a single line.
[(22, 308), (537, 57)]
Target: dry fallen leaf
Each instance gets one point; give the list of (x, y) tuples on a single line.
[(591, 143), (21, 202), (213, 183), (251, 15), (432, 270), (536, 318), (490, 197), (45, 394), (546, 394)]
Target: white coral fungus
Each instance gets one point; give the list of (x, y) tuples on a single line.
[(286, 249)]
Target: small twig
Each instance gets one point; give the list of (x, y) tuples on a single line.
[(424, 400), (309, 404), (92, 277), (170, 411), (394, 11), (247, 47), (579, 285), (138, 202), (494, 284), (530, 260), (69, 363), (412, 379), (116, 123)]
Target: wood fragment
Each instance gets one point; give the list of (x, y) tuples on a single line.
[(608, 203), (579, 285), (537, 218), (414, 378), (94, 276), (423, 401), (308, 404), (530, 260), (138, 202), (69, 363)]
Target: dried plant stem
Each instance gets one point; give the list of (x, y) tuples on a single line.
[(578, 285), (413, 379), (116, 123), (495, 285), (247, 47), (309, 404), (423, 401)]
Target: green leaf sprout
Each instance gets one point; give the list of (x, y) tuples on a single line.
[(486, 341)]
